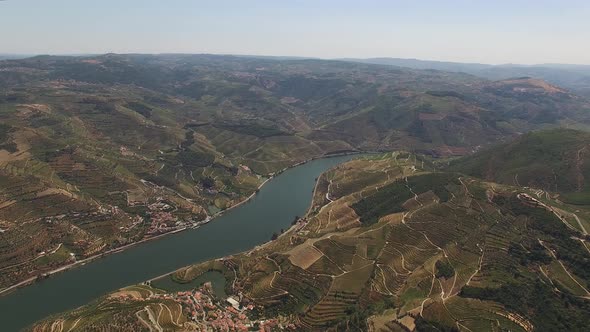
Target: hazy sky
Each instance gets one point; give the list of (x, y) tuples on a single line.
[(488, 31)]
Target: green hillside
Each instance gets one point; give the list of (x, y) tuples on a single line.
[(554, 160), (113, 149), (396, 247)]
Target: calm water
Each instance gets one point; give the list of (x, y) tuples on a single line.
[(242, 228)]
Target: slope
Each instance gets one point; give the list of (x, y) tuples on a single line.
[(554, 160), (149, 144), (391, 244)]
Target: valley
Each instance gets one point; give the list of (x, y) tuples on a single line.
[(294, 166), (100, 153), (252, 223), (394, 242)]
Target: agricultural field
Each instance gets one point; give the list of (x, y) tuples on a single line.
[(101, 152), (392, 244)]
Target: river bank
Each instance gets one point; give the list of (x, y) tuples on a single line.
[(237, 230), (67, 267), (293, 226), (49, 274), (64, 268)]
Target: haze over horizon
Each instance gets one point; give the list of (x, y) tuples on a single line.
[(295, 165), (522, 31)]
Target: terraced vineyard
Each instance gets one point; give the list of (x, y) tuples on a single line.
[(439, 251), (101, 152)]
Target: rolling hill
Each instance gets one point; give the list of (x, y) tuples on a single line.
[(555, 160), (97, 152), (390, 244), (573, 77)]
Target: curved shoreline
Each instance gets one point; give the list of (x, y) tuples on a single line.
[(82, 262), (262, 245)]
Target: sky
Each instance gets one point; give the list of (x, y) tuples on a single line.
[(484, 31)]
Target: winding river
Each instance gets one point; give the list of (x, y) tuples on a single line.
[(240, 229)]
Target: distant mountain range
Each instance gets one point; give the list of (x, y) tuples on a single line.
[(97, 152), (573, 77), (7, 56), (570, 76), (112, 149)]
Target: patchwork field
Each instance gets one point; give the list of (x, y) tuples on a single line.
[(120, 148), (410, 247), (103, 151)]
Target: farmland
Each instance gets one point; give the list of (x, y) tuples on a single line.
[(393, 243), (115, 149), (98, 153)]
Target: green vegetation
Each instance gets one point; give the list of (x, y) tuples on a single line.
[(192, 159), (444, 269), (405, 249), (422, 325), (391, 198), (554, 160), (140, 108), (559, 237), (4, 131), (253, 129), (535, 253), (5, 143), (551, 312), (577, 198), (102, 151)]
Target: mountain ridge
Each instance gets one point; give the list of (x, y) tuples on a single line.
[(557, 160), (392, 244), (571, 76), (112, 149)]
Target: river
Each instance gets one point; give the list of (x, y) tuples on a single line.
[(248, 225)]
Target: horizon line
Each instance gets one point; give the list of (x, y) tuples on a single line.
[(73, 54)]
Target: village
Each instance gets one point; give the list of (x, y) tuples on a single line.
[(208, 313), (161, 219)]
